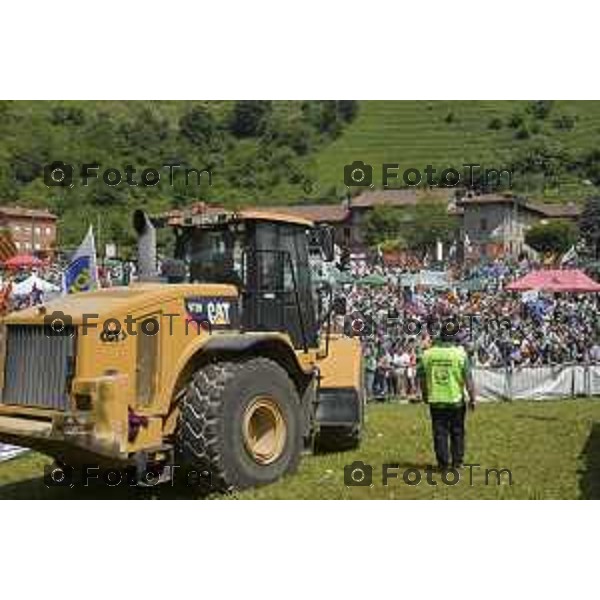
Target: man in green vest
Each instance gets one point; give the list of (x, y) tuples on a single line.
[(444, 373)]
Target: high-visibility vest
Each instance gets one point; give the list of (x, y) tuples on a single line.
[(445, 374)]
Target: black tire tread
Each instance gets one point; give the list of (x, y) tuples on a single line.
[(201, 423)]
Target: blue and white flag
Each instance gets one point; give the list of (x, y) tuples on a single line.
[(82, 275)]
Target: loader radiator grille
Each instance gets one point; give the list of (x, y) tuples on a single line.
[(37, 368)]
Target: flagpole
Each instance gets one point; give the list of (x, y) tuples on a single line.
[(99, 228)]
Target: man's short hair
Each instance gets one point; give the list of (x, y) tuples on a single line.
[(444, 328)]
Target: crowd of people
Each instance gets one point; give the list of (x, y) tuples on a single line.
[(12, 297), (499, 329), (48, 282)]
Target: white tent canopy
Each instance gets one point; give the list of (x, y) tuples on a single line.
[(7, 452), (24, 287)]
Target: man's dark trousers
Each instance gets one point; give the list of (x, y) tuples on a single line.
[(448, 421)]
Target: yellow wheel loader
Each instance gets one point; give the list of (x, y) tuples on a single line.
[(223, 362)]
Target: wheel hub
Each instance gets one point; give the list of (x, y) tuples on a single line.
[(264, 430)]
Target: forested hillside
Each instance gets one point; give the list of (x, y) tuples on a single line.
[(279, 152), (256, 151)]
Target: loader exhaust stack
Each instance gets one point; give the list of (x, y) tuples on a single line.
[(146, 233)]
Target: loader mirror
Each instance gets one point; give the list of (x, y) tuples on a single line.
[(339, 305)]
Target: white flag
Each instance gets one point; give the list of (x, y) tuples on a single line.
[(82, 274)]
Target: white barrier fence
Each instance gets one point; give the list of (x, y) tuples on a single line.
[(537, 383), (527, 383)]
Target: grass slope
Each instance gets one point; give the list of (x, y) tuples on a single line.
[(551, 448), (417, 133)]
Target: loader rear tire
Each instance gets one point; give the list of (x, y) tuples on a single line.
[(241, 422)]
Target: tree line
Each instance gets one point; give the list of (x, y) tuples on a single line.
[(255, 150)]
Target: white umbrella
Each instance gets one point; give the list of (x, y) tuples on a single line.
[(24, 287)]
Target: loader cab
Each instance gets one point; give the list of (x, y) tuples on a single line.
[(268, 259)]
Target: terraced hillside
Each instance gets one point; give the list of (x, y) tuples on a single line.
[(493, 133)]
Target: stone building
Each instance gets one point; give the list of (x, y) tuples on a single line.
[(495, 225)]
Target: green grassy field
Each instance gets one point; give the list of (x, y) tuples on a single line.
[(551, 448), (417, 133)]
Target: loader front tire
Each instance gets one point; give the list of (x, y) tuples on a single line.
[(241, 423)]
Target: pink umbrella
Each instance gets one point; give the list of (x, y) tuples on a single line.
[(555, 280), (23, 261)]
